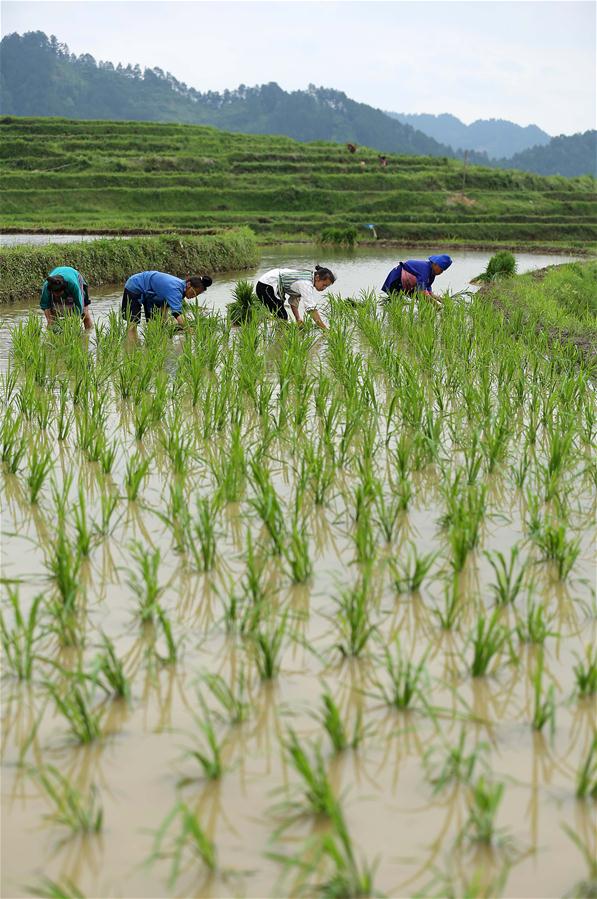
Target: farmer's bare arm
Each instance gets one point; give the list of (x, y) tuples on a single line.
[(296, 314), (49, 314), (87, 319), (318, 319)]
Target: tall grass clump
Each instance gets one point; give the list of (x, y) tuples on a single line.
[(245, 304), (501, 265)]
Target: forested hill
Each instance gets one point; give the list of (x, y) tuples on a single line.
[(563, 155), (498, 138), (40, 77)]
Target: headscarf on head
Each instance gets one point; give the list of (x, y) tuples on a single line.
[(443, 261)]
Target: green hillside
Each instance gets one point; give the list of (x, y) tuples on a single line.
[(63, 175)]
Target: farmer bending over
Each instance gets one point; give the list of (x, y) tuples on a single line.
[(279, 284), (156, 293), (65, 291), (416, 276)]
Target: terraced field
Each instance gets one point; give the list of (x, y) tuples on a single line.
[(63, 175)]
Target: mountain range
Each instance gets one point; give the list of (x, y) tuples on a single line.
[(40, 77)]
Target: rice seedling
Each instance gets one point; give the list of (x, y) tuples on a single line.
[(544, 708), (586, 779), (585, 673), (191, 840), (164, 624), (535, 626), (488, 640), (268, 649), (409, 576), (108, 672), (76, 708), (84, 535), (552, 542), (585, 889), (268, 507), (448, 616), (352, 619), (79, 813), (335, 727), (209, 756), (388, 513), (145, 583), (349, 878), (231, 699), (18, 641), (14, 444), (230, 469), (458, 766), (108, 504), (64, 565), (405, 679), (297, 553), (136, 470), (203, 547), (364, 537), (52, 889), (319, 796), (484, 799), (508, 584)]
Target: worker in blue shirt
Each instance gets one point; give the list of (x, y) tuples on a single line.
[(158, 293), (415, 276), (65, 291)]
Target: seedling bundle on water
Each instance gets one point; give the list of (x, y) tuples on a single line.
[(370, 556)]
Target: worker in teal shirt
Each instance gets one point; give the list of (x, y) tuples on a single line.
[(65, 291), (158, 292)]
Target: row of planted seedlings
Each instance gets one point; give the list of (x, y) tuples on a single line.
[(393, 520)]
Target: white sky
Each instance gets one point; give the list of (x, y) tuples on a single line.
[(530, 62)]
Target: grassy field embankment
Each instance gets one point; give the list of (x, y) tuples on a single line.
[(63, 175), (104, 261)]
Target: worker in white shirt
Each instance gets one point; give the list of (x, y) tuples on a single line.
[(281, 284)]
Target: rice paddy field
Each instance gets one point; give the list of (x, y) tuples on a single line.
[(86, 176), (289, 613)]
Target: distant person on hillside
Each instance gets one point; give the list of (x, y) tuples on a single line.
[(415, 276), (383, 161), (352, 148), (158, 293), (279, 284), (65, 291)]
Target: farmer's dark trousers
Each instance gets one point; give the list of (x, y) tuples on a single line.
[(132, 304), (267, 295)]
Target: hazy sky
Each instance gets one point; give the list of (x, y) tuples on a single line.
[(530, 62)]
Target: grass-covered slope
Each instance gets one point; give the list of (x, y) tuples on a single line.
[(97, 176)]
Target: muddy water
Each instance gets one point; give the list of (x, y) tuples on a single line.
[(362, 269), (395, 818)]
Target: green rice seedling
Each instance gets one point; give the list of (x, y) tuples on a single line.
[(484, 800), (76, 708), (203, 547), (296, 553), (364, 537), (136, 470), (319, 795), (108, 672), (409, 576), (586, 780), (544, 709), (232, 701), (554, 546), (145, 582), (106, 455), (209, 756), (520, 472), (267, 505), (403, 490), (388, 512), (143, 416), (18, 641), (253, 582), (473, 459), (448, 616), (78, 813), (84, 535), (585, 673), (334, 726), (43, 410), (349, 878), (458, 766), (268, 649), (352, 619), (65, 418), (108, 504), (488, 640), (65, 565), (495, 440), (14, 444), (508, 584), (405, 679), (230, 468), (585, 889), (51, 889), (191, 839), (535, 627), (164, 624), (245, 304), (320, 472)]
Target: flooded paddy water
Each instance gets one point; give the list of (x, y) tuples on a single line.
[(298, 612)]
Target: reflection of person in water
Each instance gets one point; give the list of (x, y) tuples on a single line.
[(415, 276)]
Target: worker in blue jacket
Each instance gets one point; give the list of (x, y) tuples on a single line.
[(159, 293), (415, 276)]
